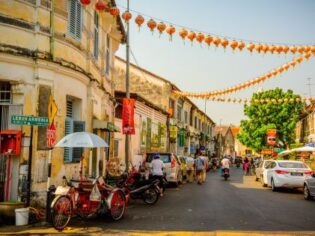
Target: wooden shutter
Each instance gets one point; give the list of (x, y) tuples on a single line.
[(78, 126), (78, 20), (75, 18), (68, 130), (96, 37)]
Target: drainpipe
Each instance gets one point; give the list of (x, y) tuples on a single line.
[(52, 31)]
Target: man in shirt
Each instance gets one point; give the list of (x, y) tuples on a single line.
[(225, 163), (157, 167), (199, 167)]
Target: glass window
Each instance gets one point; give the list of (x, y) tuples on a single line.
[(5, 92), (96, 29)]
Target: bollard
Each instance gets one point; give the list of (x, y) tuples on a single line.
[(50, 197)]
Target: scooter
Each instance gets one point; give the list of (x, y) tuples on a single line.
[(135, 187), (226, 173)]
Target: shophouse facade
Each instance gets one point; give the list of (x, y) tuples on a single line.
[(225, 141), (65, 51), (305, 127), (188, 128)]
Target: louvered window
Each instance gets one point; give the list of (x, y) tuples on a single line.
[(96, 30), (107, 62), (75, 19), (72, 154), (5, 92)]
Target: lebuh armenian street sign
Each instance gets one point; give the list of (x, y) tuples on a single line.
[(29, 120)]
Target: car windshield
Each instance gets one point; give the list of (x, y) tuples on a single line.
[(292, 165)]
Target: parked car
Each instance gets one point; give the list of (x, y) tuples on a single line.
[(287, 174), (172, 166), (260, 170), (309, 187)]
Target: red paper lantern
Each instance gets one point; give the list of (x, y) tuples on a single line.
[(126, 16), (170, 30), (114, 11), (151, 24), (100, 5), (139, 20), (85, 2)]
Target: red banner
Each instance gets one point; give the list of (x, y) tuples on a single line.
[(128, 125)]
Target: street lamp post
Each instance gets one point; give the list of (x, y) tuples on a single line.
[(127, 89)]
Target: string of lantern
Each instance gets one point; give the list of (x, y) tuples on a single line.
[(264, 100), (186, 33), (247, 84)]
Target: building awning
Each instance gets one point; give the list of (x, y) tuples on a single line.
[(105, 125)]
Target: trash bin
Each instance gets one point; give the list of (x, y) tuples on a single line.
[(21, 216)]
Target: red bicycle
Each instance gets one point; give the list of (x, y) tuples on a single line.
[(86, 198)]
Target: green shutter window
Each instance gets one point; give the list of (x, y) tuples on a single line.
[(75, 19), (78, 126), (68, 130), (96, 29)]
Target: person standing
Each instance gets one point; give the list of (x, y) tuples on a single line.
[(199, 166), (157, 167)]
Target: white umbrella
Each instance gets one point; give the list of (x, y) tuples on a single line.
[(304, 149), (81, 139)]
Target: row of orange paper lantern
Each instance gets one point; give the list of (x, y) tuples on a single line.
[(247, 84), (261, 101)]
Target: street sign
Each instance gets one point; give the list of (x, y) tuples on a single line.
[(51, 136), (29, 120), (266, 152), (52, 109)]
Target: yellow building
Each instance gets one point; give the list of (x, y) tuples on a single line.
[(63, 49)]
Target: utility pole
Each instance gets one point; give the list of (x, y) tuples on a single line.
[(127, 88)]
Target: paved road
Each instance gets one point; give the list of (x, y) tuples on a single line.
[(237, 204)]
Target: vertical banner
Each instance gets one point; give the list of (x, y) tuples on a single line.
[(149, 123), (128, 116), (143, 135)]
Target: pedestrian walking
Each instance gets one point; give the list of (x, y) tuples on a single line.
[(246, 166), (199, 166), (157, 167)]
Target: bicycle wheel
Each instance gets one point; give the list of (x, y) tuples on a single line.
[(61, 211), (118, 205)]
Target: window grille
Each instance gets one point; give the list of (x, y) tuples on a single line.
[(5, 93), (75, 19)]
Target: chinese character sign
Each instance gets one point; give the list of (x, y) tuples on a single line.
[(128, 125)]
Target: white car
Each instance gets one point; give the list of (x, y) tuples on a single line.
[(261, 173), (286, 174)]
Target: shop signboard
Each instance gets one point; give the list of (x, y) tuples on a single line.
[(271, 137), (266, 152), (173, 132)]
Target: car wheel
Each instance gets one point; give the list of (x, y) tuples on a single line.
[(307, 195), (273, 187)]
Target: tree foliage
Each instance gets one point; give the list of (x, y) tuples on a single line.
[(263, 116)]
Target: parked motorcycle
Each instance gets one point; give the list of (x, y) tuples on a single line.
[(136, 187), (226, 173)]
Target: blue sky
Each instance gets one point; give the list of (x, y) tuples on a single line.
[(199, 69)]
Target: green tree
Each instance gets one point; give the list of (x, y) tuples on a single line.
[(262, 116)]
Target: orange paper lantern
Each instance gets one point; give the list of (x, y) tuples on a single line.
[(216, 41), (293, 49), (234, 44), (151, 24), (272, 48), (114, 11), (285, 49), (250, 47), (300, 49), (183, 33), (313, 49), (191, 36), (258, 48), (139, 20), (224, 43), (200, 37), (265, 48), (170, 30), (161, 27), (208, 40), (241, 45), (279, 49)]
